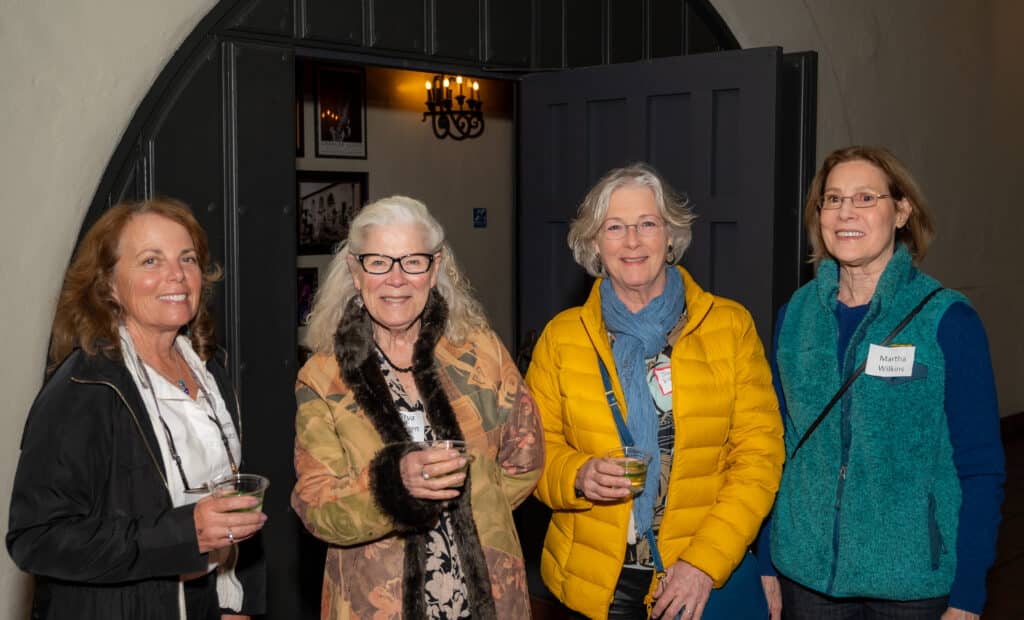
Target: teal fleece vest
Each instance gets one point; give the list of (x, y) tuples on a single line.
[(869, 506)]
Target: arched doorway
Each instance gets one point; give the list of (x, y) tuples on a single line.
[(216, 130)]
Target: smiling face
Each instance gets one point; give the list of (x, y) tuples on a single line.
[(861, 238), (635, 264), (157, 279), (394, 299)]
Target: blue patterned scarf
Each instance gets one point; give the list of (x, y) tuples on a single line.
[(639, 337)]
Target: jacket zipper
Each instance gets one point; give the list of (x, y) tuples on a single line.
[(138, 425), (846, 439)]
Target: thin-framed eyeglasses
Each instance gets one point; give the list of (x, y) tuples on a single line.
[(412, 264), (175, 456), (832, 201), (615, 228)]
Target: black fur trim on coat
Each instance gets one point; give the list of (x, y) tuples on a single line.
[(413, 517)]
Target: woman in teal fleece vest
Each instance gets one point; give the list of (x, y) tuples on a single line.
[(891, 506)]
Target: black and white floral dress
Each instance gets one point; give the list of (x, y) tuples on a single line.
[(444, 582)]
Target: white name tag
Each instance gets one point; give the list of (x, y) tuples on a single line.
[(414, 423), (890, 361), (663, 375)]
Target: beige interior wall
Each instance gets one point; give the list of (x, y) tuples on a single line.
[(72, 75), (451, 178), (940, 83)]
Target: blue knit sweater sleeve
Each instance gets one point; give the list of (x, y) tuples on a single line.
[(973, 419)]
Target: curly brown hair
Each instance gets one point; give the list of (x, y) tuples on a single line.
[(87, 314)]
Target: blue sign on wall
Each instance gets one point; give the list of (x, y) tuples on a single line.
[(479, 217)]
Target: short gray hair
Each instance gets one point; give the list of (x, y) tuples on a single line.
[(465, 314), (672, 207)]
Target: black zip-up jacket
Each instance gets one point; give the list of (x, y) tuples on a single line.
[(91, 516)]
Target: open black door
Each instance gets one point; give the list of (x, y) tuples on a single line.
[(708, 123)]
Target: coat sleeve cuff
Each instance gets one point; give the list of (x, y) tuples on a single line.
[(391, 496)]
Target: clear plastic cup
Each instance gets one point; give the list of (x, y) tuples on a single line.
[(451, 444), (242, 484), (635, 461)]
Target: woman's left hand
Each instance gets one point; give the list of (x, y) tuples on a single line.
[(684, 588), (952, 613)]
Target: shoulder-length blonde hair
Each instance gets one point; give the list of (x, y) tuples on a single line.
[(916, 234), (87, 314), (465, 314), (672, 207)]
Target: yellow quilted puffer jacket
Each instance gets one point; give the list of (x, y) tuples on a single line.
[(727, 457)]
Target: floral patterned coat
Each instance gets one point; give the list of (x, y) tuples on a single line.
[(349, 492)]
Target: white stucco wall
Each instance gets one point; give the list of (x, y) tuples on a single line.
[(941, 83), (72, 75)]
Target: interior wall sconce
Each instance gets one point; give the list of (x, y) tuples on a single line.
[(454, 113)]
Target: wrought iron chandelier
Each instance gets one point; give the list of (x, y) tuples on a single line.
[(453, 113)]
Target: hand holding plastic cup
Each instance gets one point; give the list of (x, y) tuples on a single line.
[(450, 444), (635, 461), (241, 484)]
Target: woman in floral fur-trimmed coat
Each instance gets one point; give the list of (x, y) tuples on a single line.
[(404, 355)]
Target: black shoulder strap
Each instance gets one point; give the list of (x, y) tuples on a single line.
[(856, 373)]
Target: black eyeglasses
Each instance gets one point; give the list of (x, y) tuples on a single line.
[(379, 264), (170, 439), (861, 200)]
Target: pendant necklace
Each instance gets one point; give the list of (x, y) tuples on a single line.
[(181, 382), (389, 362)]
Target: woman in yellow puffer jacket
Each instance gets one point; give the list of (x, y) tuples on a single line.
[(693, 388)]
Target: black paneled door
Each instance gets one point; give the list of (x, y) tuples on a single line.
[(708, 123)]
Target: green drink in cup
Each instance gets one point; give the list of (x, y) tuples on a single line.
[(635, 461), (242, 484)]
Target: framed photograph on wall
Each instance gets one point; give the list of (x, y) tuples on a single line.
[(340, 111), (300, 148), (327, 203), (309, 280)]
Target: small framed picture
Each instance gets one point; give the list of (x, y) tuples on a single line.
[(309, 280), (340, 111), (300, 147), (327, 203)]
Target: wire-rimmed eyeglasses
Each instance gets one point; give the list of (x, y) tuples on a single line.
[(861, 200), (615, 228), (412, 264)]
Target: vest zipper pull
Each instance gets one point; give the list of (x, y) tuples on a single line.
[(842, 472)]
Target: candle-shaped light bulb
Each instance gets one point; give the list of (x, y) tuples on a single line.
[(476, 89), (458, 79), (428, 84), (446, 83)]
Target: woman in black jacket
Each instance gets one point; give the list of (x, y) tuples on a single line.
[(134, 420)]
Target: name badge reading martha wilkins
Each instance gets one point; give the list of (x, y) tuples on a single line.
[(890, 361)]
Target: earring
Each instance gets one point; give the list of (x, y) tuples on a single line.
[(670, 257)]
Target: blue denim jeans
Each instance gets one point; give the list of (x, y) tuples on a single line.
[(800, 603)]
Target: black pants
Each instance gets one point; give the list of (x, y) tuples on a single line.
[(800, 603), (628, 600)]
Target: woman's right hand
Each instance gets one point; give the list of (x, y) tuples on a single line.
[(433, 474), (773, 595), (218, 525), (602, 480)]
